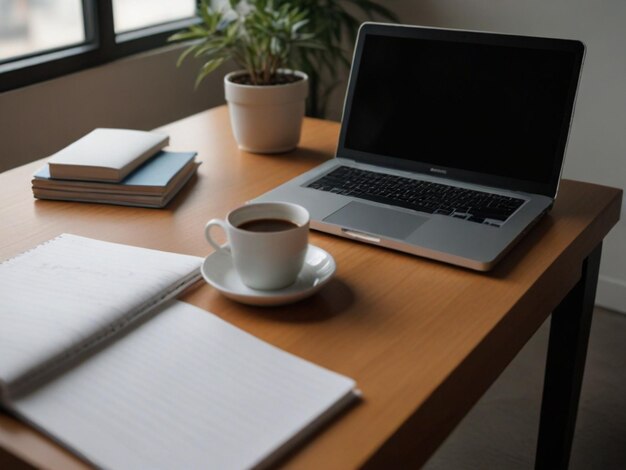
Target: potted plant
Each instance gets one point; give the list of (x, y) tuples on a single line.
[(267, 97)]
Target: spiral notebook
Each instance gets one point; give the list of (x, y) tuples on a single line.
[(95, 354)]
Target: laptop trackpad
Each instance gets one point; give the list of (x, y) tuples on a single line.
[(376, 220)]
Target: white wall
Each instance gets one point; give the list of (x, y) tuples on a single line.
[(597, 146)]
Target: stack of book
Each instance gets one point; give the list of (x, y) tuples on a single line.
[(116, 166)]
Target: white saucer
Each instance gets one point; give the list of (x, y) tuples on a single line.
[(319, 267)]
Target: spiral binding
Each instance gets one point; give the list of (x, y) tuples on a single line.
[(30, 250)]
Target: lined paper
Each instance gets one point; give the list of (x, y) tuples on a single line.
[(184, 390), (71, 291)]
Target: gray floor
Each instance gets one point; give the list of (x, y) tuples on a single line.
[(501, 430)]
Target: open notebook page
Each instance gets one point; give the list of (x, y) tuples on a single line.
[(184, 390), (71, 291)]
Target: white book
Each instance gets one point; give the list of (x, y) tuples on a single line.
[(106, 154), (94, 354)]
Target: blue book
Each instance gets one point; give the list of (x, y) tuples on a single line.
[(153, 177), (153, 184)]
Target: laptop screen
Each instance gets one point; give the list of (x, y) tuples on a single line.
[(485, 108)]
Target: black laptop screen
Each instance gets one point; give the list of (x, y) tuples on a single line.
[(490, 109)]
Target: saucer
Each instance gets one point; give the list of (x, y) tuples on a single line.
[(319, 267)]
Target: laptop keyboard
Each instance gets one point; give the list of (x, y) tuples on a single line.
[(423, 196)]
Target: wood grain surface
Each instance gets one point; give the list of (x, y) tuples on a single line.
[(423, 340)]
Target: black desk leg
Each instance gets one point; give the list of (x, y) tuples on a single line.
[(567, 351)]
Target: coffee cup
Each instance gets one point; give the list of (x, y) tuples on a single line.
[(267, 241)]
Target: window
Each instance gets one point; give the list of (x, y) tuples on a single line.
[(134, 14), (28, 27), (43, 39)]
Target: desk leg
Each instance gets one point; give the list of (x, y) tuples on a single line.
[(567, 351)]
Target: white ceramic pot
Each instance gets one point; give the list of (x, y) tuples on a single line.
[(266, 119)]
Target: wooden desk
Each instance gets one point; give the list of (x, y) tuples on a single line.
[(422, 339)]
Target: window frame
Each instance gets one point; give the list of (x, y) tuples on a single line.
[(101, 45)]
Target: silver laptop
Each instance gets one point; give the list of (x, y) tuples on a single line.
[(451, 143)]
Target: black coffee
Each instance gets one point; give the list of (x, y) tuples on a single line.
[(267, 225)]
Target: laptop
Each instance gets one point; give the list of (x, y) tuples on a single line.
[(451, 144)]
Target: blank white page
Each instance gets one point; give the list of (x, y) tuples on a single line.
[(71, 290), (184, 390)]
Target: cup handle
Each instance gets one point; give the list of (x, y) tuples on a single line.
[(207, 234)]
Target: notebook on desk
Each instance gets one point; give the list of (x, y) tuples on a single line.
[(451, 144), (94, 354)]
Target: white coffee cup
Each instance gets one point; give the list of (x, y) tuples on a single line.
[(267, 241)]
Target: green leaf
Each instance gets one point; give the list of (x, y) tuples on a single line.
[(208, 53), (185, 54), (207, 68), (186, 35)]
